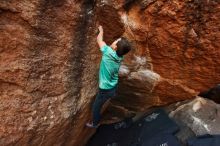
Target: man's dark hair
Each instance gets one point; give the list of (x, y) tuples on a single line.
[(123, 47)]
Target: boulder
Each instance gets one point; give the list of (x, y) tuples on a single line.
[(196, 117), (49, 62)]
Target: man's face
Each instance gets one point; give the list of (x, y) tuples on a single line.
[(113, 45)]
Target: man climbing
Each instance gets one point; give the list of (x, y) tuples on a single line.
[(108, 73)]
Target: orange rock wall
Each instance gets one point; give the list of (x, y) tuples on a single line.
[(49, 61), (47, 51)]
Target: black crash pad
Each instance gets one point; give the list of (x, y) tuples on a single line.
[(205, 140), (156, 128), (161, 140)]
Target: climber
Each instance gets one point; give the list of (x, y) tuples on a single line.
[(108, 73)]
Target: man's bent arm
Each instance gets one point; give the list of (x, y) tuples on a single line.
[(100, 41)]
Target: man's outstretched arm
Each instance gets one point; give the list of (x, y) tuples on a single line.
[(100, 41)]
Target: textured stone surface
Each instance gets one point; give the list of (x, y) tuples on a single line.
[(44, 60), (197, 117), (49, 61), (178, 41)]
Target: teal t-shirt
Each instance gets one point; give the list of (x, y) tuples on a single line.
[(109, 68)]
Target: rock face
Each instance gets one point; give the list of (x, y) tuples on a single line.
[(175, 54), (49, 61), (47, 50)]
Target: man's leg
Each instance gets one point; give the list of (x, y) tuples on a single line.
[(100, 100), (97, 106)]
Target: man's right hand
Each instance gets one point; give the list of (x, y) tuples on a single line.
[(100, 41), (100, 28)]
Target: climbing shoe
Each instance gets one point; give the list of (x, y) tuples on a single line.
[(91, 125)]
